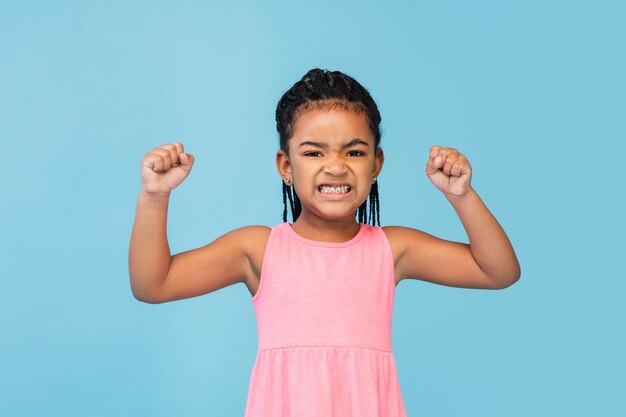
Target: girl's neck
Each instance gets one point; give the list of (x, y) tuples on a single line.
[(326, 230)]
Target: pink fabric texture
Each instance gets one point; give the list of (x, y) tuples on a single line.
[(324, 314)]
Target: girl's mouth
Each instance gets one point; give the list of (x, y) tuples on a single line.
[(334, 189)]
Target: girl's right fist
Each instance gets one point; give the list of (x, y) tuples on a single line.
[(164, 168)]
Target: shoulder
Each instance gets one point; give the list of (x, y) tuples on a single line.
[(246, 240), (407, 246), (251, 241), (399, 236), (252, 238), (255, 230)]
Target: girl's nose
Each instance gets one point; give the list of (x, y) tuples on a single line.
[(336, 166)]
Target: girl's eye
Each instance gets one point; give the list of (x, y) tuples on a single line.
[(351, 153)]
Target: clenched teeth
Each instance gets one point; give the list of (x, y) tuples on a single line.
[(341, 189)]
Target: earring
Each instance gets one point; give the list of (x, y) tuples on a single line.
[(287, 181), (373, 180)]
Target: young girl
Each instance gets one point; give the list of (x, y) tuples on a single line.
[(323, 286)]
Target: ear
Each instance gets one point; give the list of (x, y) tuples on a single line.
[(283, 165), (379, 160)]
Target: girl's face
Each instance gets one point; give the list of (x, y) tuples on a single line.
[(331, 162)]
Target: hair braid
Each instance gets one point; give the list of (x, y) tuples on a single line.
[(285, 190)]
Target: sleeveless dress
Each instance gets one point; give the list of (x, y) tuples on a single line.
[(324, 314)]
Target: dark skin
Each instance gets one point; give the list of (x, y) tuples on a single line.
[(337, 147)]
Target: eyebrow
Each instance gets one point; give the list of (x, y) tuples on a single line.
[(353, 142)]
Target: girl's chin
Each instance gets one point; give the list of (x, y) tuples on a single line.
[(335, 213)]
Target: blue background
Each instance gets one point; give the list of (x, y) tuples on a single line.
[(532, 92)]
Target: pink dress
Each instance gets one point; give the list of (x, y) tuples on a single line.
[(324, 315)]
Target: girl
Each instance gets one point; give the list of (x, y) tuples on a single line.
[(322, 286)]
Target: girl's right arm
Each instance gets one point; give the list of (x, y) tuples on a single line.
[(155, 275), (149, 256)]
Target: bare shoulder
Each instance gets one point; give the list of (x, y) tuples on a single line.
[(400, 237), (253, 240), (253, 236), (246, 240)]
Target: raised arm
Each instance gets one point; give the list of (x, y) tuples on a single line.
[(158, 277), (162, 170), (487, 262)]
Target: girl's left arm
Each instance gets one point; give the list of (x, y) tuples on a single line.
[(489, 244), (488, 261)]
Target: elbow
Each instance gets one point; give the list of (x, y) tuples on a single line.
[(145, 299), (507, 281), (506, 284), (139, 296), (145, 296)]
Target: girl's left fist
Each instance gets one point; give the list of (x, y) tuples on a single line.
[(449, 171)]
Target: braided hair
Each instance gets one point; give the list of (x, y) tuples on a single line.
[(324, 89)]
